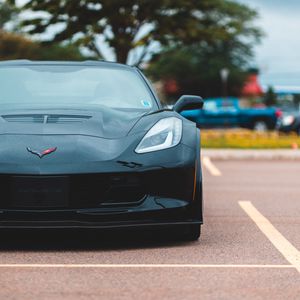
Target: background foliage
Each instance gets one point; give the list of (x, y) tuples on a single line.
[(184, 40), (127, 25), (246, 139)]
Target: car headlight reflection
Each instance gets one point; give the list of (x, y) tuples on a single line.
[(287, 120), (165, 134)]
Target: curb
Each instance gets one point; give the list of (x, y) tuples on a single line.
[(237, 154)]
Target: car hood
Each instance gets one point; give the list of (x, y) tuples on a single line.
[(92, 145), (108, 124)]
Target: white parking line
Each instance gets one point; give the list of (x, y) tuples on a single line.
[(193, 266), (290, 253), (210, 166)]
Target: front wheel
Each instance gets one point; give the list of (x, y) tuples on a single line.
[(260, 126), (193, 233), (188, 233)]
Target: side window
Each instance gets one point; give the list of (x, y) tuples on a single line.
[(227, 105), (210, 106)]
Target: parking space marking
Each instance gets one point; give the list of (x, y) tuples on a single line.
[(193, 266), (291, 254), (210, 166)]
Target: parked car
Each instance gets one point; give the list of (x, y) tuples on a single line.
[(220, 113), (88, 145), (290, 122)]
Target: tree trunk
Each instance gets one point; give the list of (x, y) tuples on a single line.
[(122, 54)]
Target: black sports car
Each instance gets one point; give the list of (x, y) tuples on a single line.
[(88, 145)]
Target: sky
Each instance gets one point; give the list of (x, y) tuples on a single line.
[(278, 56)]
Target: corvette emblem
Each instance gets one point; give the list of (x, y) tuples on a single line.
[(43, 153)]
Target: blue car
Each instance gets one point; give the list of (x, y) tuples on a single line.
[(226, 112)]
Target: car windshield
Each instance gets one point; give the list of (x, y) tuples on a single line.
[(56, 86)]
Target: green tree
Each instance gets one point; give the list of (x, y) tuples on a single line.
[(14, 46), (7, 11), (297, 101), (145, 26), (196, 69), (270, 98)]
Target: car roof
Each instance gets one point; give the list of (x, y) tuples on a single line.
[(93, 63)]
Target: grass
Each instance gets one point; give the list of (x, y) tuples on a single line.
[(247, 139)]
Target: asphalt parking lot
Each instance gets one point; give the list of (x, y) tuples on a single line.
[(249, 248)]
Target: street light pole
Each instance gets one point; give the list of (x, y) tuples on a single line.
[(224, 73)]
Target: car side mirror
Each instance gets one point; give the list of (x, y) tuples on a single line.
[(188, 102)]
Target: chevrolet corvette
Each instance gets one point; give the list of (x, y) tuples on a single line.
[(89, 145)]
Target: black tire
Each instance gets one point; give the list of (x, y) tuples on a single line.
[(188, 233), (260, 126), (194, 233)]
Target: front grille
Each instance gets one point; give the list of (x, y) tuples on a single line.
[(71, 192), (30, 192), (94, 190)]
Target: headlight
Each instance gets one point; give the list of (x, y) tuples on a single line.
[(287, 120), (166, 133)]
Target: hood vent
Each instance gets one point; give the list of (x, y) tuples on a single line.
[(45, 119)]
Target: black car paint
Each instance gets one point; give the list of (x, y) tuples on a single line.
[(102, 145)]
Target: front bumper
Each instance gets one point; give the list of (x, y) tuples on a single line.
[(287, 129), (130, 199), (152, 211)]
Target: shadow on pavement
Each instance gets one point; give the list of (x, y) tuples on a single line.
[(86, 240)]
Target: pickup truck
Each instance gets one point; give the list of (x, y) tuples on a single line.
[(226, 112)]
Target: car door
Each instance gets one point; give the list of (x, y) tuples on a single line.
[(211, 114), (228, 113), (206, 117)]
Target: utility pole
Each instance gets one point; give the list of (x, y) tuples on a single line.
[(224, 73)]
